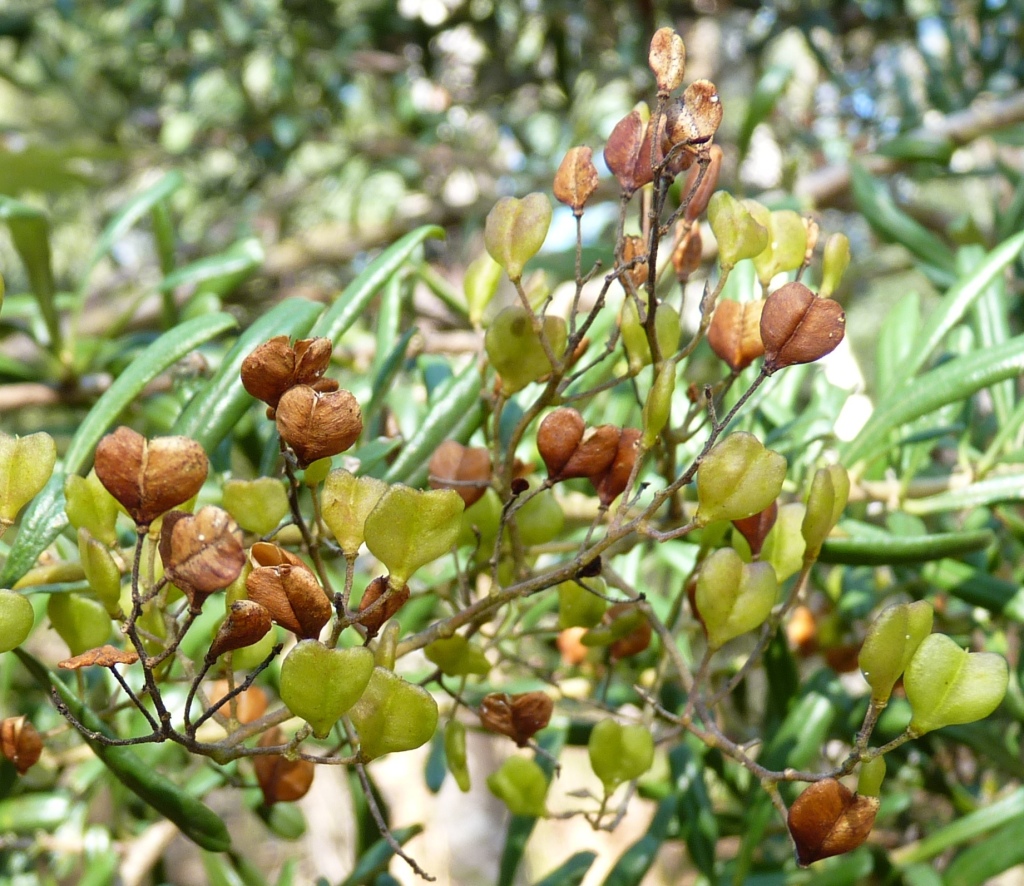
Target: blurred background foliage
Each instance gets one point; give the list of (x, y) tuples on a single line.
[(303, 136)]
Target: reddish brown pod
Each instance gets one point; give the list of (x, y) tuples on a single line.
[(570, 449), (756, 527), (466, 469), (829, 819), (149, 477), (799, 327), (247, 622), (276, 365), (519, 716), (318, 425), (201, 553), (281, 780), (576, 179), (288, 589), (735, 333), (627, 152), (611, 483), (373, 619), (21, 743)]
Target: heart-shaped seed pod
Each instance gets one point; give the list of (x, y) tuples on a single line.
[(275, 366), (756, 527), (465, 469), (738, 234), (576, 179), (321, 684), (829, 492), (578, 606), (201, 553), (890, 644), (737, 478), (612, 482), (392, 715), (26, 464), (16, 619), (735, 333), (394, 599), (293, 597), (457, 657), (829, 819), (21, 743), (247, 622), (149, 477), (258, 506), (515, 229), (799, 327), (948, 686), (521, 785), (80, 621), (667, 58), (733, 597), (281, 780), (630, 628), (624, 151), (318, 425), (558, 436), (249, 705), (619, 753), (787, 241), (515, 349), (519, 716), (346, 502)]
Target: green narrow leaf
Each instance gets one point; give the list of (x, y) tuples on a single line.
[(571, 872), (992, 325), (353, 301), (1005, 487), (30, 232), (894, 550), (698, 824), (222, 272), (460, 394), (636, 861), (918, 146), (217, 407), (1009, 808), (955, 304), (802, 734), (951, 382), (894, 344), (876, 204), (162, 353), (377, 858), (551, 740), (976, 587), (126, 218), (193, 818)]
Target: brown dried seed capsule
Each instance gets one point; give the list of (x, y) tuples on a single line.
[(634, 249), (735, 333), (149, 477), (576, 179), (612, 482), (798, 327), (280, 779), (247, 622), (394, 599), (625, 155), (756, 527), (519, 716), (558, 436), (293, 597), (201, 553), (700, 197), (594, 454), (318, 425), (250, 704), (688, 253), (465, 469), (693, 121), (21, 743), (637, 640), (667, 59), (829, 819), (275, 366)]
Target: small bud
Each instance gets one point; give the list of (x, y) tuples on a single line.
[(394, 599), (149, 477), (830, 489), (625, 153), (576, 179), (828, 819), (798, 327), (276, 366), (281, 780), (738, 234), (21, 743), (465, 469), (834, 263), (520, 717), (516, 229), (247, 622), (317, 425), (737, 478), (735, 333), (947, 686), (201, 553), (658, 407)]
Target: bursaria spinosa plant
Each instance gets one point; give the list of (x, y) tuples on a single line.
[(496, 566)]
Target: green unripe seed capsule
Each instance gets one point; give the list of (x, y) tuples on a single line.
[(521, 785), (733, 597), (830, 489), (16, 620), (834, 263), (738, 234), (872, 773), (455, 753), (619, 753), (258, 506), (578, 607), (947, 686), (634, 335), (784, 545), (89, 506), (346, 502), (890, 644), (540, 520), (393, 716), (658, 408), (515, 350), (101, 572), (480, 283), (320, 684), (26, 463), (738, 478), (80, 622), (516, 229), (456, 657)]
